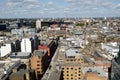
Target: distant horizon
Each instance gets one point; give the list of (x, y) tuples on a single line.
[(58, 17)]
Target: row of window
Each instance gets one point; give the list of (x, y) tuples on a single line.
[(75, 60), (73, 75), (72, 78), (71, 68)]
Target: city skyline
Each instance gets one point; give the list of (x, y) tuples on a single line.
[(59, 8)]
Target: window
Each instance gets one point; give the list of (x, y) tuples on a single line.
[(38, 72), (71, 68), (71, 74), (38, 64), (38, 61), (67, 68), (67, 74)]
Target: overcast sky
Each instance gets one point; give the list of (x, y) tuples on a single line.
[(59, 8)]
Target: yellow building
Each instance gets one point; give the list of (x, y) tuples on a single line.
[(72, 66), (39, 61)]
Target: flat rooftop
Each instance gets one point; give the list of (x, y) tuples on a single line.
[(71, 64), (99, 70), (40, 52), (21, 54), (72, 52), (55, 75)]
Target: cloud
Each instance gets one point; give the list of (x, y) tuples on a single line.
[(31, 8), (117, 6), (67, 9), (50, 3), (22, 3)]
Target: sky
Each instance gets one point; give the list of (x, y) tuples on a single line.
[(59, 8)]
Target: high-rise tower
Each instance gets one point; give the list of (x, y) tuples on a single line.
[(38, 24)]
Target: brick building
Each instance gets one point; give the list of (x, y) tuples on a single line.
[(49, 45), (39, 61)]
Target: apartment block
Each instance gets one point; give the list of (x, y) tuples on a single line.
[(72, 66), (27, 45), (39, 61)]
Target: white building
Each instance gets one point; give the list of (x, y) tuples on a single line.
[(3, 38), (26, 45), (38, 24), (5, 49), (111, 48)]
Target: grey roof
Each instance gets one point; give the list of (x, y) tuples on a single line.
[(99, 70), (22, 72), (72, 52), (40, 52), (55, 75), (21, 54)]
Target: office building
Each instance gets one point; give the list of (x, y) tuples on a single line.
[(72, 68), (27, 45), (48, 45), (20, 22), (3, 26), (6, 49), (39, 61), (17, 46), (38, 24), (36, 42)]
